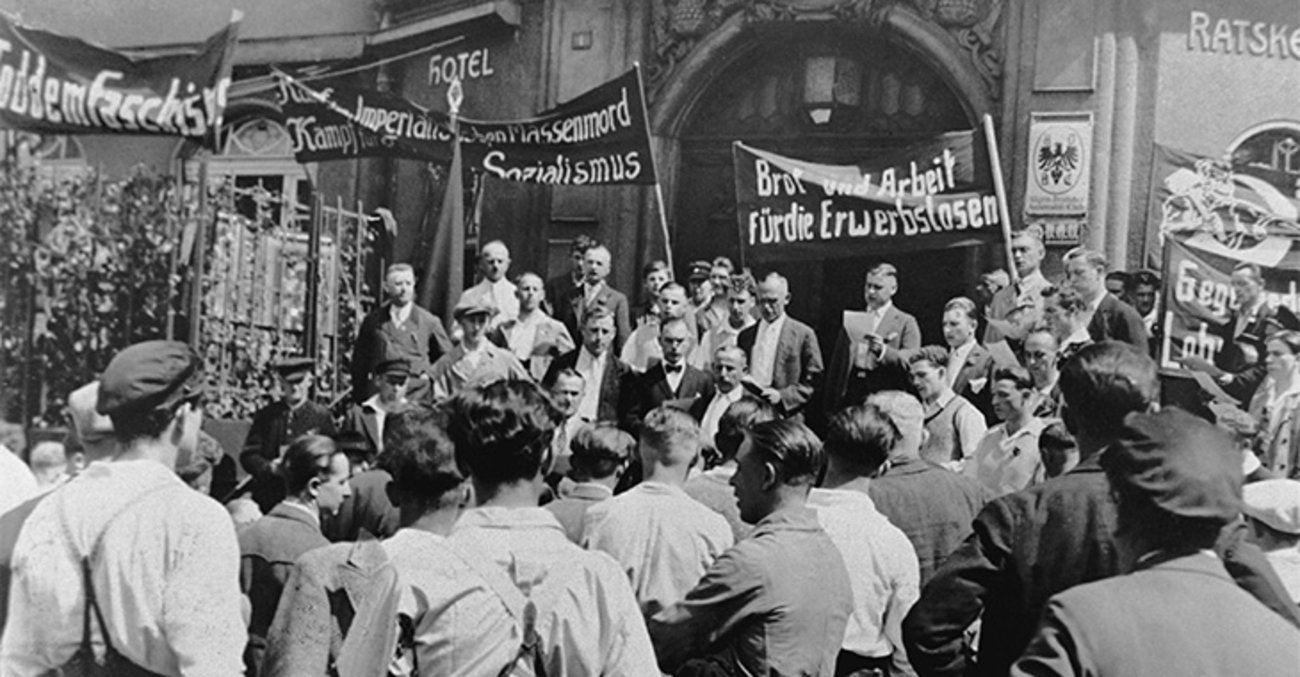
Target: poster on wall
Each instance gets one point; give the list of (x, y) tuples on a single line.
[(599, 138), (1060, 164), (931, 195), (1211, 216), (55, 84)]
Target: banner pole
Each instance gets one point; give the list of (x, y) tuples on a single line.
[(663, 221), (999, 188), (199, 255), (654, 162)]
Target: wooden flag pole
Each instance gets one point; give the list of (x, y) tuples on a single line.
[(1000, 189)]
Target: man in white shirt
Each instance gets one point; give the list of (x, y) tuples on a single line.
[(566, 392), (1007, 459), (602, 372), (642, 348), (586, 619), (534, 337), (1026, 293), (389, 384), (882, 565), (163, 559), (740, 316), (728, 373), (494, 289), (660, 536)]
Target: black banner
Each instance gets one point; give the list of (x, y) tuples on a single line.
[(930, 195), (53, 84), (599, 138)]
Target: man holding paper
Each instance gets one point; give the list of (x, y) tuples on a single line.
[(867, 353)]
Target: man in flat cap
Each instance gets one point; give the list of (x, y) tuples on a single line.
[(476, 360), (1273, 511), (389, 383), (160, 559), (1177, 611), (279, 423)]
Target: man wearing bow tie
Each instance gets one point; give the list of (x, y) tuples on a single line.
[(670, 381)]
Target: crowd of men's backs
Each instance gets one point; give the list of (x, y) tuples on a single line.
[(565, 484)]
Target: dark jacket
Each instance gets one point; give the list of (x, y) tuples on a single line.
[(975, 380), (847, 384), (797, 372), (611, 384), (268, 548), (649, 390), (1115, 320), (422, 339), (1243, 354), (366, 511), (574, 308), (1026, 547), (274, 427)]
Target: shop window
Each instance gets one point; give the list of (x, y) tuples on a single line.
[(1275, 147)]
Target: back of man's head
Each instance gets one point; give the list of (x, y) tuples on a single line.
[(739, 417), (670, 438), (144, 385), (859, 439), (421, 457), (600, 450), (307, 458), (1103, 383), (502, 431), (792, 448), (908, 417)]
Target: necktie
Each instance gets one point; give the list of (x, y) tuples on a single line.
[(672, 368)]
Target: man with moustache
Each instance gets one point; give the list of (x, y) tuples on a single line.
[(398, 328), (785, 362)]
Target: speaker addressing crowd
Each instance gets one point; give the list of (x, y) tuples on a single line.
[(545, 488)]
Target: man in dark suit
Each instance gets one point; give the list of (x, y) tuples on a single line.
[(971, 365), (389, 382), (602, 372), (1239, 366), (1112, 319), (398, 328), (593, 292), (1177, 611), (279, 423), (1032, 544), (558, 287), (867, 358), (785, 362), (669, 381)]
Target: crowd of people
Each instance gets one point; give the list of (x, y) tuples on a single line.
[(566, 481)]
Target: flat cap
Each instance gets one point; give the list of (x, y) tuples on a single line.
[(1181, 463), (700, 270), (295, 369), (149, 376), (89, 426), (394, 366), (473, 304), (1275, 503)]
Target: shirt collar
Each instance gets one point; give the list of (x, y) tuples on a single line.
[(773, 326), (801, 518), (945, 397), (1033, 280), (495, 517), (590, 491), (908, 465), (880, 312), (290, 508)]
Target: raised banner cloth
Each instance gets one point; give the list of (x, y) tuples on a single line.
[(930, 195), (54, 84), (599, 138), (1212, 216)]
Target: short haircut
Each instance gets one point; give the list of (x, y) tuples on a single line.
[(581, 244), (1044, 330), (731, 350), (1016, 374), (723, 262), (493, 244), (963, 304), (670, 436), (600, 248), (862, 437), (1093, 258), (398, 268), (1106, 381), (885, 269), (1255, 271), (904, 411), (568, 372), (792, 447), (744, 282), (935, 355), (669, 286), (599, 449), (740, 416), (654, 267), (597, 312), (306, 459), (1031, 234), (502, 431), (526, 274), (673, 322), (419, 454), (129, 426), (1289, 338), (1067, 298)]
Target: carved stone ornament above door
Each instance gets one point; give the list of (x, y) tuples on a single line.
[(679, 25)]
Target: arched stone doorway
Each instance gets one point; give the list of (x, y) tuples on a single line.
[(891, 77)]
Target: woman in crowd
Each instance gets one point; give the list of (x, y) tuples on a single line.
[(1275, 403)]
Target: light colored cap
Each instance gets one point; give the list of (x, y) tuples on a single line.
[(91, 426), (1275, 503)]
